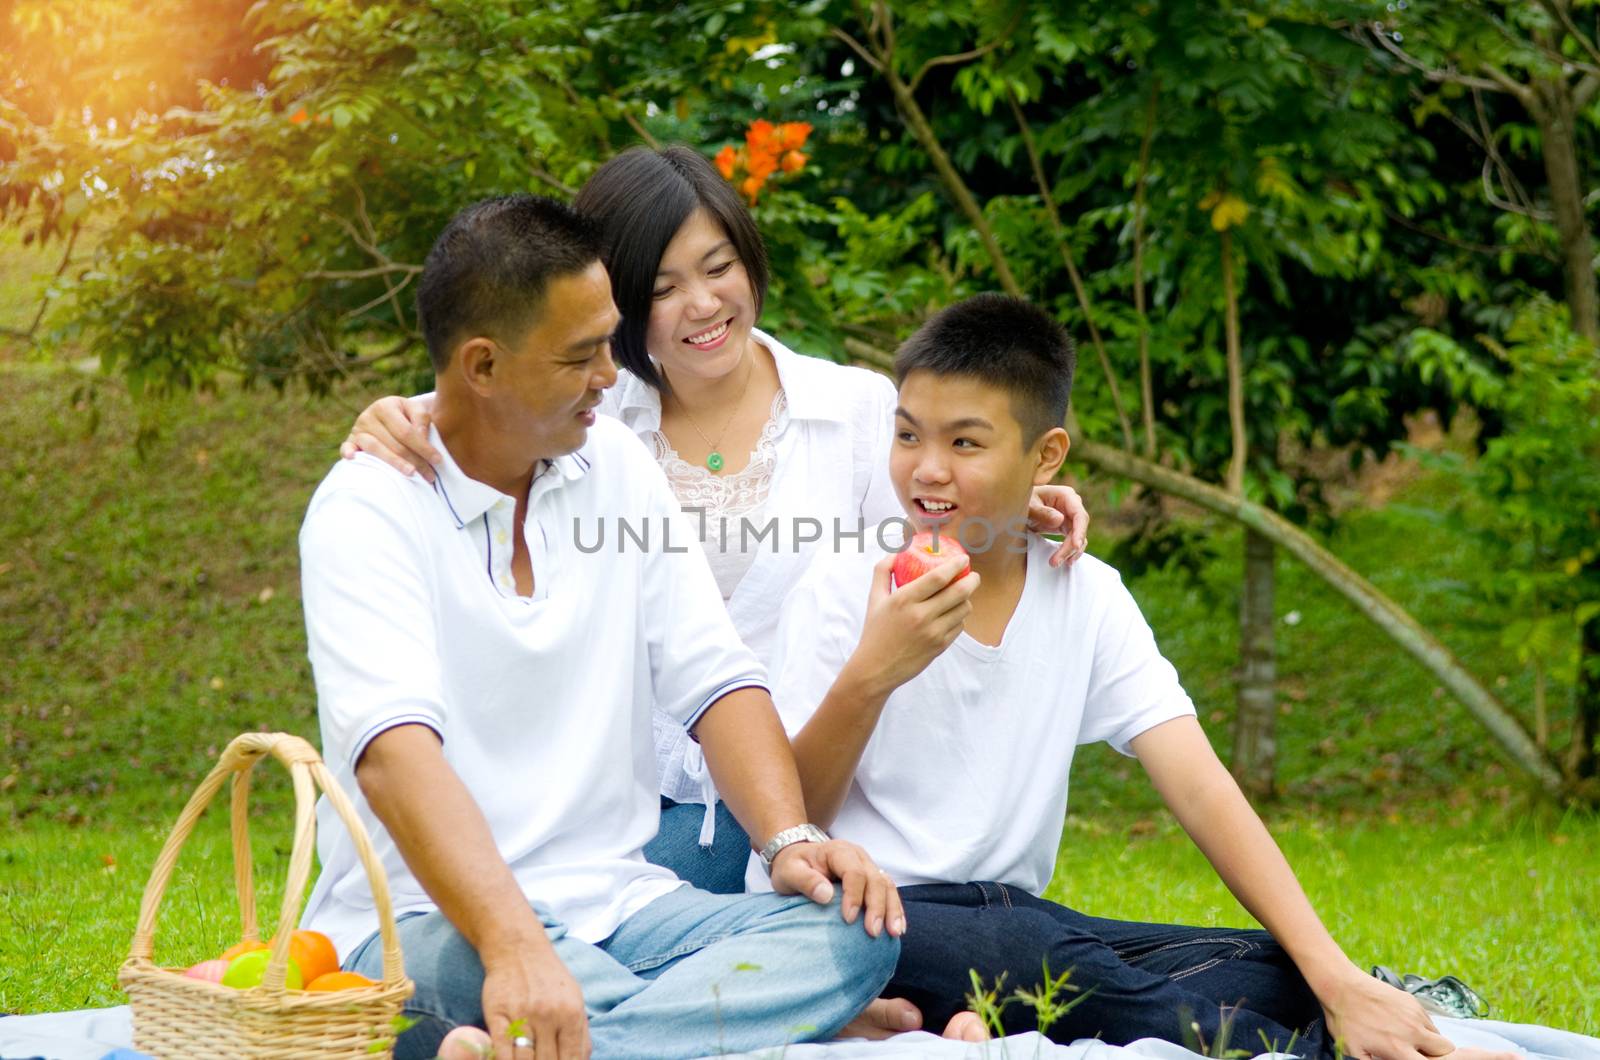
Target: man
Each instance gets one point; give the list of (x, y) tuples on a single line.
[(487, 687)]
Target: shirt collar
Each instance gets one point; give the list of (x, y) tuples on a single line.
[(806, 390), (467, 498)]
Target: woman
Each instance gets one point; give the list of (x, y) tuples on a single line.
[(747, 431)]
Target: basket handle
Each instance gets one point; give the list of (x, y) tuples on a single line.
[(308, 773)]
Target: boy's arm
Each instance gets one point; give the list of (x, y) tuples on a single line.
[(749, 758), (904, 630), (1366, 1016)]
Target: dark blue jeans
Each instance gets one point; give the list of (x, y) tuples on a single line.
[(1141, 980), (676, 846)]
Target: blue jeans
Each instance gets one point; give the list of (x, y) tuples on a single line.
[(691, 974), (1136, 980), (719, 869)]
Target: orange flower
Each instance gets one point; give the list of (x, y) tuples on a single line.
[(752, 187), (762, 164), (726, 159), (298, 116), (792, 135), (794, 162), (760, 137)]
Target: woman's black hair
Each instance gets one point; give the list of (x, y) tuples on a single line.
[(640, 199)]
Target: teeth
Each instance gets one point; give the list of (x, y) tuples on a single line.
[(709, 336), (937, 506)]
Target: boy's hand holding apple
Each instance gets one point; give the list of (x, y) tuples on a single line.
[(906, 628)]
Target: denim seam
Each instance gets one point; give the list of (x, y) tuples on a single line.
[(983, 891), (1241, 947), (657, 960), (1203, 966), (1005, 895)]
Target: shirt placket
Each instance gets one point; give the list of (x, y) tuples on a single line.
[(497, 532)]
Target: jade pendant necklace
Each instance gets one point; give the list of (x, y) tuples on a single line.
[(714, 460)]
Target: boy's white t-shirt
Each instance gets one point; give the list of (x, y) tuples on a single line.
[(965, 776)]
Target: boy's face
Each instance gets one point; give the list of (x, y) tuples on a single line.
[(959, 462)]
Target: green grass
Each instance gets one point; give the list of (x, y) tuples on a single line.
[(1508, 904), (149, 611)]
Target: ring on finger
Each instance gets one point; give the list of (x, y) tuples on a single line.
[(522, 1041)]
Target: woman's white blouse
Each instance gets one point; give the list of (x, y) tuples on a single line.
[(725, 503), (829, 474)]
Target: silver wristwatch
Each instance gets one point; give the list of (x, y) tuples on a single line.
[(800, 833)]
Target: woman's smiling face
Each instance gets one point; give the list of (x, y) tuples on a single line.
[(702, 307)]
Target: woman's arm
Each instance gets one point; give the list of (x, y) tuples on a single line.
[(395, 430)]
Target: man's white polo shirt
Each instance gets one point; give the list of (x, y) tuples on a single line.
[(543, 703)]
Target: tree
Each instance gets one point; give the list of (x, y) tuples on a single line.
[(895, 53), (1467, 56), (275, 232)]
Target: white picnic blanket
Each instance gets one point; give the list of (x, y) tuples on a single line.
[(89, 1034)]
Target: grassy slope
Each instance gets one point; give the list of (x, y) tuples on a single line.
[(140, 634)]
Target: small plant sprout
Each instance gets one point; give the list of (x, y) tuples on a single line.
[(988, 1004), (1047, 1009)]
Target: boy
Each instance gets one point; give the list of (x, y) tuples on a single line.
[(485, 689), (935, 723)]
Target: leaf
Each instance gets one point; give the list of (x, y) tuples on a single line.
[(1229, 212)]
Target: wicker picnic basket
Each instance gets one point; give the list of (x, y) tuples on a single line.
[(175, 1016)]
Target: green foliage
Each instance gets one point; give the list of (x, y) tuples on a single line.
[(1532, 496), (273, 226)]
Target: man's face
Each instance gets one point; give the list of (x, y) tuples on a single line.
[(555, 372), (958, 458)]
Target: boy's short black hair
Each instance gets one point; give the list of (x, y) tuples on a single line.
[(488, 270), (1005, 342), (640, 199)]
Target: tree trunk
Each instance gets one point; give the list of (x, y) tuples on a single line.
[(1556, 116), (1255, 740), (1230, 294), (1147, 399)]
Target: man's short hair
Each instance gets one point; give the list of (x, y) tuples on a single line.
[(641, 198), (1005, 342), (488, 270)]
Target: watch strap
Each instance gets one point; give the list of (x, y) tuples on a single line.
[(800, 833)]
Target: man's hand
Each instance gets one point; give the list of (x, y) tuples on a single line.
[(810, 869), (1054, 509), (529, 994), (1374, 1021), (907, 628), (395, 430)]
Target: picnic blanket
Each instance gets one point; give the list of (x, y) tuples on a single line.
[(90, 1034)]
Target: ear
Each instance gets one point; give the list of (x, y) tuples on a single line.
[(477, 364), (1050, 452)]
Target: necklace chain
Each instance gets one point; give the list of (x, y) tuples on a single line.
[(714, 460)]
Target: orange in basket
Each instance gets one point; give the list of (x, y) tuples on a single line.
[(176, 1016)]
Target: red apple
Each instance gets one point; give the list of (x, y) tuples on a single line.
[(926, 551)]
